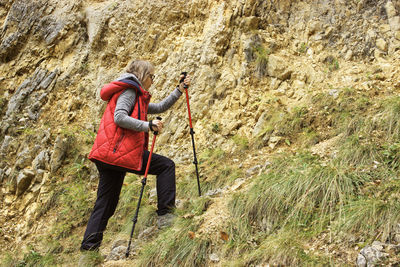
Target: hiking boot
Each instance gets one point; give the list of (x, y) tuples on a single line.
[(165, 220)]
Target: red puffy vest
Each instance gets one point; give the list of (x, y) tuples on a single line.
[(115, 145)]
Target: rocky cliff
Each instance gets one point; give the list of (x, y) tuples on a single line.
[(254, 64)]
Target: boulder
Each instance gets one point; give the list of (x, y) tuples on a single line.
[(371, 255), (41, 161), (277, 67), (229, 125), (24, 158), (24, 180)]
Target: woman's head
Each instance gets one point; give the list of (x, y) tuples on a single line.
[(143, 70)]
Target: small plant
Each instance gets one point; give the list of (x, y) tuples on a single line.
[(261, 60), (334, 66), (332, 63), (303, 48), (216, 128), (241, 141), (28, 131), (391, 154)]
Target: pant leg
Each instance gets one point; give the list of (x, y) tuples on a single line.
[(110, 184), (164, 168)]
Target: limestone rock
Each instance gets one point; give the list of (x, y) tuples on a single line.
[(282, 90), (397, 35), (96, 19), (214, 257), (40, 80), (349, 55), (41, 161), (390, 9), (260, 125), (277, 67), (21, 18), (250, 23), (117, 253), (396, 233), (24, 180), (148, 233), (59, 150), (371, 255), (6, 143), (230, 125), (382, 44), (394, 23), (253, 170), (24, 158), (273, 141), (214, 192)]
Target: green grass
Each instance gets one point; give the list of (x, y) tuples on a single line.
[(369, 218), (282, 248), (303, 48), (29, 259), (261, 54), (76, 205), (241, 141), (213, 173), (175, 247), (296, 191), (354, 193)]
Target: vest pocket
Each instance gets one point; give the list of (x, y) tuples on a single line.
[(119, 141)]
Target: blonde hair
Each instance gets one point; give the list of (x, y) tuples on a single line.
[(140, 68)]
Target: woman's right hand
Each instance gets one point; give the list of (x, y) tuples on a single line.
[(186, 82), (157, 126)]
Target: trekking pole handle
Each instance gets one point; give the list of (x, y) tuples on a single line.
[(184, 73), (156, 132)]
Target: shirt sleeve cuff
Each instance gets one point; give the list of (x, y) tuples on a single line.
[(178, 91)]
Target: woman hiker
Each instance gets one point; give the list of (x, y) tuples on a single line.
[(121, 146)]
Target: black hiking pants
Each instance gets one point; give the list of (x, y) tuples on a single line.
[(110, 184)]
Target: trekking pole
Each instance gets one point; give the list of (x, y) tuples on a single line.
[(141, 192), (191, 130)]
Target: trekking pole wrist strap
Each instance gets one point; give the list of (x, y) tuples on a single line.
[(151, 125), (178, 87)]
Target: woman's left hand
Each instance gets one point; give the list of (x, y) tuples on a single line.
[(185, 82)]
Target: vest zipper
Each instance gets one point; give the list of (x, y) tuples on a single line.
[(119, 142), (138, 108)]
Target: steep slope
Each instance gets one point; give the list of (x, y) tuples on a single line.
[(314, 80)]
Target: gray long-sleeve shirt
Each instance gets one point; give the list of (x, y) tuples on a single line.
[(126, 102)]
